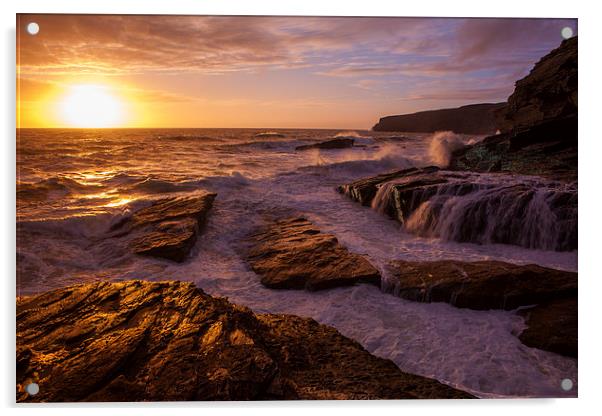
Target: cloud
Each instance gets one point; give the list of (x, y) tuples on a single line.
[(368, 84), (474, 94), (157, 96), (464, 46), (117, 44), (510, 38), (412, 58), (30, 90)]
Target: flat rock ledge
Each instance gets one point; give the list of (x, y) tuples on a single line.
[(548, 296), (169, 228), (294, 254), (339, 143), (169, 341), (481, 284)]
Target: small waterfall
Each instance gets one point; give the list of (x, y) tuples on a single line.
[(383, 199), (526, 212)]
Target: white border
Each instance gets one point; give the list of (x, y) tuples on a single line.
[(589, 173)]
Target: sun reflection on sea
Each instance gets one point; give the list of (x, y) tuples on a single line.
[(116, 200), (93, 178), (101, 195), (118, 203)]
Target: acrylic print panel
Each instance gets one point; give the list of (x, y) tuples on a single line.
[(250, 208)]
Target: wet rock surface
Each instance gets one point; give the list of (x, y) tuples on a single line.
[(169, 341), (470, 207), (339, 143), (548, 150), (364, 190), (169, 228), (294, 254), (483, 284), (552, 326), (468, 119)]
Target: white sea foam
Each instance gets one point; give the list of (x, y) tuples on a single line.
[(442, 145)]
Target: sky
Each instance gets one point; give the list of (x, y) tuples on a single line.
[(256, 72)]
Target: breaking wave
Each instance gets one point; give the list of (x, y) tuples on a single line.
[(442, 145)]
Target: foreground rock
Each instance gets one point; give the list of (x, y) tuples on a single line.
[(339, 143), (482, 284), (169, 341), (478, 208), (294, 254), (468, 119), (169, 228), (552, 326), (539, 124)]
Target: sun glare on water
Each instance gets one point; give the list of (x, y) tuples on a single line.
[(91, 106)]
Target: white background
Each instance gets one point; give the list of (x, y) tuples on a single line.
[(590, 175)]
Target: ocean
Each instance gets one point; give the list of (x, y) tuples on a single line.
[(74, 184)]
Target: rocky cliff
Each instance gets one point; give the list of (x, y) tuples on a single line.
[(549, 92), (468, 119), (539, 124)]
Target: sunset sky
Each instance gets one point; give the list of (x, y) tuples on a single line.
[(308, 72)]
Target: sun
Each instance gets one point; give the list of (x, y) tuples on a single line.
[(91, 105)]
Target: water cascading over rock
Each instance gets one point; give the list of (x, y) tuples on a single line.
[(472, 207)]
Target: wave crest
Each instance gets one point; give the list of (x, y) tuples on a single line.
[(442, 145)]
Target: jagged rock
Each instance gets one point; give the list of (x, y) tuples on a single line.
[(169, 228), (294, 254), (468, 119), (552, 326), (339, 143), (477, 208), (548, 149), (364, 190), (481, 284), (169, 341), (539, 124), (549, 92)]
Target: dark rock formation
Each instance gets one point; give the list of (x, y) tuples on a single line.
[(364, 190), (169, 228), (548, 93), (551, 323), (478, 208), (552, 326), (293, 254), (481, 284), (468, 119), (539, 124), (169, 341), (338, 143), (548, 149)]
